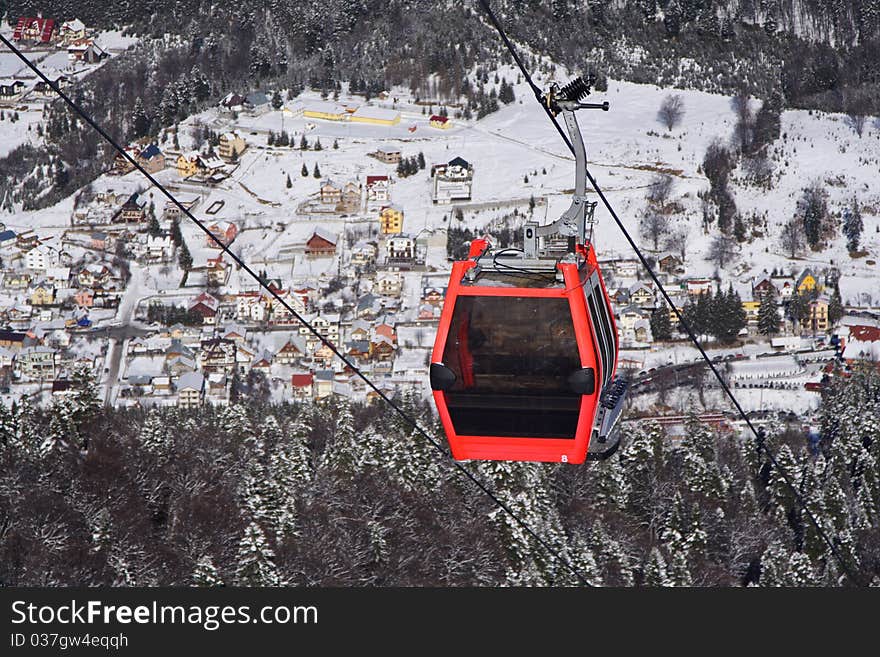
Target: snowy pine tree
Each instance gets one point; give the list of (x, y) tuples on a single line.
[(256, 560), (205, 573)]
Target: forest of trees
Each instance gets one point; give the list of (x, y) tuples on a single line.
[(345, 495)]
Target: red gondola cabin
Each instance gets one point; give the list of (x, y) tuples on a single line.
[(522, 359)]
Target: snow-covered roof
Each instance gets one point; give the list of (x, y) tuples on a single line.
[(191, 381), (377, 113), (324, 107)]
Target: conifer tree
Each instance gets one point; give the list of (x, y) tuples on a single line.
[(655, 570), (768, 314), (661, 325), (835, 307), (853, 225), (205, 573), (256, 560)]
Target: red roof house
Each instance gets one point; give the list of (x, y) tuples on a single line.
[(39, 29)]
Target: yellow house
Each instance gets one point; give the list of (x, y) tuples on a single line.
[(391, 220), (325, 110), (817, 317), (807, 282), (231, 145), (440, 122), (187, 164), (751, 308), (43, 295), (375, 115)]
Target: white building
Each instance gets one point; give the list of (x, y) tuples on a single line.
[(41, 257), (453, 181)]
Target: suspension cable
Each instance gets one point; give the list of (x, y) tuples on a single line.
[(551, 549), (759, 435)]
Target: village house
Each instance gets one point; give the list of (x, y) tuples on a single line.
[(36, 363), (351, 198), (16, 280), (439, 122), (257, 103), (232, 145), (206, 306), (84, 297), (401, 249), (276, 311), (391, 220), (101, 241), (14, 341), (321, 243), (11, 88), (326, 324), (389, 283), (37, 30), (58, 275), (323, 384), (670, 263), (190, 390), (452, 181), (188, 164), (381, 348), (72, 30), (216, 271), (263, 363), (816, 319), (363, 254), (807, 282), (233, 103), (433, 295), (244, 356), (218, 388), (151, 158), (330, 194), (249, 306), (301, 384), (7, 238), (121, 164), (223, 232), (642, 295), (59, 80), (625, 268), (323, 355), (388, 156), (217, 355), (134, 210), (159, 248), (41, 257), (94, 275), (378, 188), (43, 294), (188, 201), (862, 343), (763, 286), (358, 349), (291, 353), (698, 286), (85, 51)]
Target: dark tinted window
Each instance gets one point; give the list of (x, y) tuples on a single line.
[(512, 357)]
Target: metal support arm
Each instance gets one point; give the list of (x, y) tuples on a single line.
[(573, 222)]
